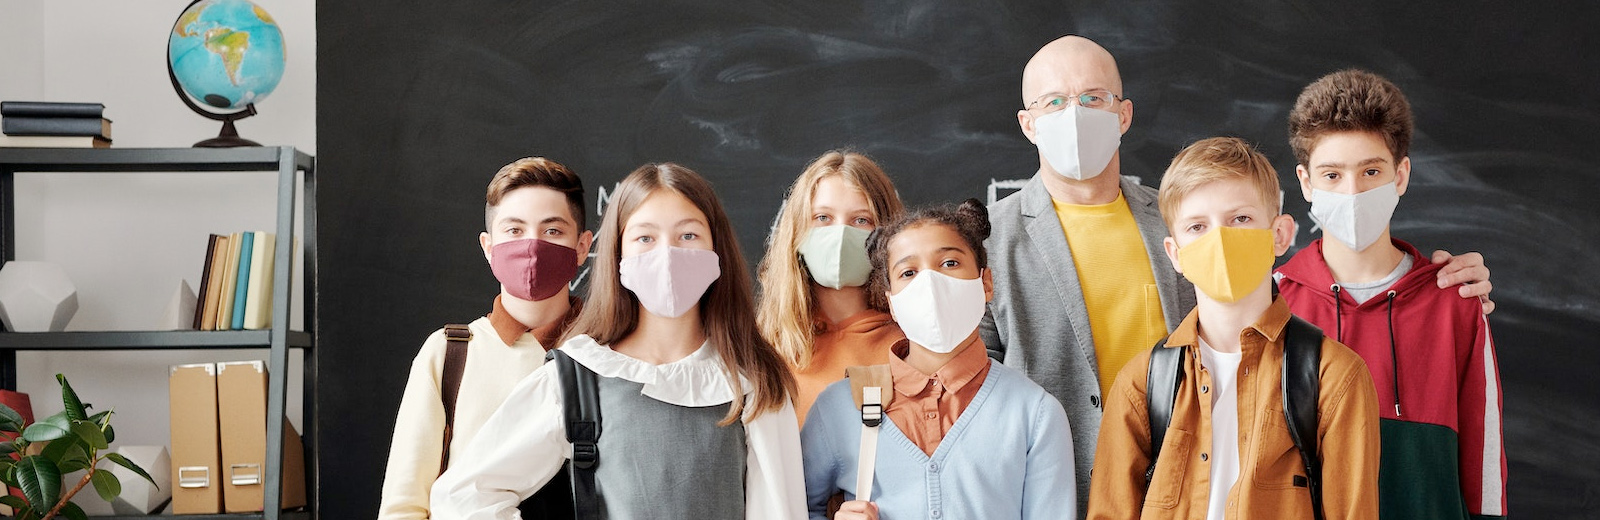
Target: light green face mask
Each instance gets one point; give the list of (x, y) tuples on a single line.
[(837, 256)]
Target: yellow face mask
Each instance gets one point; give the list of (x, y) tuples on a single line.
[(1227, 263)]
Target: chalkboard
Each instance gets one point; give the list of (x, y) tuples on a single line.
[(418, 105)]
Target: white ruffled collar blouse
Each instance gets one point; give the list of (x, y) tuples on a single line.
[(698, 380)]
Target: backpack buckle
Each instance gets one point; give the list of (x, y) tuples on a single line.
[(585, 454), (872, 406)]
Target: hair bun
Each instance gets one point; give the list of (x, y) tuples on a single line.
[(975, 216)]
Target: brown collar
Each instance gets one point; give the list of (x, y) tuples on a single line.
[(509, 329)]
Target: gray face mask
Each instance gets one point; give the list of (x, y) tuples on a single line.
[(1078, 142), (836, 256), (1356, 220)]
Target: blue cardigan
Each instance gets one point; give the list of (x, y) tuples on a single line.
[(1008, 456)]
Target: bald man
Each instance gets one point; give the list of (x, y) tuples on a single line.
[(1081, 283)]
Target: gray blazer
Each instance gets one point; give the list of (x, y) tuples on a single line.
[(1037, 321)]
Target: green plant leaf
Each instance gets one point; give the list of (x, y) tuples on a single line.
[(90, 434), (7, 448), (40, 480), (73, 512), (103, 419), (10, 420), (51, 428), (15, 502), (69, 399), (9, 476), (124, 462), (58, 449), (107, 485)]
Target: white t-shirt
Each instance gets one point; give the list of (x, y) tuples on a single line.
[(1224, 392)]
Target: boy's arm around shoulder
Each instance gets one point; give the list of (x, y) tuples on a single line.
[(1049, 487), (1122, 453), (418, 437), (1348, 431)]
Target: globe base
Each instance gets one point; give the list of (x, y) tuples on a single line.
[(228, 138)]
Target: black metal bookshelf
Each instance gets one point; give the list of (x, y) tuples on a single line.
[(278, 339)]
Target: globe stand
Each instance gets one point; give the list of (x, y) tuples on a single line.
[(229, 137)]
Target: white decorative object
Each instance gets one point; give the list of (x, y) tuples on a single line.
[(179, 314), (138, 496), (36, 297)]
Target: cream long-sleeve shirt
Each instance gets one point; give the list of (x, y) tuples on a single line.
[(493, 368), (523, 445)]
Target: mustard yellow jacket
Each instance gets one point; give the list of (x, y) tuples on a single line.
[(1180, 488)]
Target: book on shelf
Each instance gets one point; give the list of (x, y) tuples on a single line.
[(53, 141), (206, 303), (83, 126), (258, 298), (242, 285), (230, 278), (51, 109)]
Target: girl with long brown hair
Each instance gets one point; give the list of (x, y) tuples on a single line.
[(694, 403), (814, 307)]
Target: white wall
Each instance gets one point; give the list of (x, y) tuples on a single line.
[(127, 240)]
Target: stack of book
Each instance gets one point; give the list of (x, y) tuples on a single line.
[(40, 124), (236, 286)]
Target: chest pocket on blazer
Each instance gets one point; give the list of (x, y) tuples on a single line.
[(1167, 485), (1277, 460)]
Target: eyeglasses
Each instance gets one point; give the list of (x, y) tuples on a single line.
[(1098, 99)]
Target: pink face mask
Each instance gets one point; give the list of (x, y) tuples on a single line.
[(670, 280), (532, 269)]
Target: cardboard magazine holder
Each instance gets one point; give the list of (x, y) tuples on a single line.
[(242, 417), (196, 455)]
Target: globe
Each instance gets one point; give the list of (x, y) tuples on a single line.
[(227, 54)]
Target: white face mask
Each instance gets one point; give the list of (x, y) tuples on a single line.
[(1357, 220), (1078, 142), (938, 311)]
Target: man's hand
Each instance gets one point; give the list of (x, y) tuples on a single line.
[(1467, 271), (857, 510)]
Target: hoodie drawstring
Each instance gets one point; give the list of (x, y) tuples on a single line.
[(1394, 359), (1338, 314)]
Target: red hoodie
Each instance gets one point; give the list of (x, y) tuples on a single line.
[(1442, 437)]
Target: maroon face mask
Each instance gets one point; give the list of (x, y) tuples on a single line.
[(532, 269)]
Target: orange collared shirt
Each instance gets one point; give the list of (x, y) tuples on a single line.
[(509, 329), (926, 405)]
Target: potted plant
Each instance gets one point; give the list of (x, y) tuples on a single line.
[(37, 455)]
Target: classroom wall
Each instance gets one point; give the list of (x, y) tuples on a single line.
[(126, 240)]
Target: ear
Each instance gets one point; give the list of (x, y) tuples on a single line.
[(585, 240), (1171, 246), (1283, 229), (1304, 175), (483, 242), (1126, 114), (988, 285), (1402, 173), (1025, 121)]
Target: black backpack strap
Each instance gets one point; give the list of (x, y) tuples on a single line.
[(1162, 379), (455, 364), (1302, 361), (580, 390)]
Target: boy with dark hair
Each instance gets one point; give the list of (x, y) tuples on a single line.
[(1229, 450), (1431, 354), (534, 242)]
